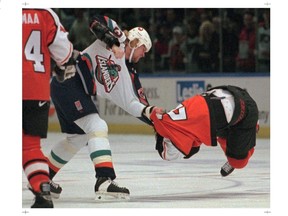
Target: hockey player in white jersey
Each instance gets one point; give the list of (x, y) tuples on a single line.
[(101, 70)]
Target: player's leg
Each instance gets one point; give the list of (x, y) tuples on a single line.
[(35, 124), (101, 156), (64, 96), (240, 141), (226, 169), (61, 153), (224, 110)]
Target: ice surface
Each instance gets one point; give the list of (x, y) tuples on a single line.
[(154, 183)]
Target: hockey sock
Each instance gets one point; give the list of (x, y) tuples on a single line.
[(100, 154), (63, 151), (34, 162)]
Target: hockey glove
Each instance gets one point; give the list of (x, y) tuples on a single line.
[(67, 70), (166, 149), (159, 144), (147, 112), (192, 152), (103, 33)]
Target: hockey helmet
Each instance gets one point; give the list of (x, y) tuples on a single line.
[(142, 35)]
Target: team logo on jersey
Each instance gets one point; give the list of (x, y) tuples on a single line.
[(107, 72), (78, 106)]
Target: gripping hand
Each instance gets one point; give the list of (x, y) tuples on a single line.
[(67, 70), (148, 110)]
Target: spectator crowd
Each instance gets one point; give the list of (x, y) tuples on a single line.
[(188, 40)]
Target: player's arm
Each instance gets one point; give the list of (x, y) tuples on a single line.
[(108, 31), (104, 34), (139, 91), (108, 25), (168, 140), (60, 48), (146, 113), (166, 149), (99, 28)]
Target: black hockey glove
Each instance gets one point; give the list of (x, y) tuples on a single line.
[(103, 33), (147, 112), (145, 116), (166, 148), (67, 70), (193, 151), (159, 144), (160, 148)]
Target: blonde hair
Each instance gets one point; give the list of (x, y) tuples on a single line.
[(132, 43), (205, 31)]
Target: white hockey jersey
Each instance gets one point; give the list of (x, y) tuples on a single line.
[(102, 74)]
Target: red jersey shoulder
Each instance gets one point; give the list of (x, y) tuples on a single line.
[(40, 19)]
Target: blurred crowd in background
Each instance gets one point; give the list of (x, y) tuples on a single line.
[(187, 40)]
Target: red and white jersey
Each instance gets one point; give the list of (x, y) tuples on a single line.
[(187, 126), (43, 38)]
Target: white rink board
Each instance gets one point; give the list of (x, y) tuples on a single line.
[(153, 183), (168, 92)]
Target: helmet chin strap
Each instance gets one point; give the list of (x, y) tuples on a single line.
[(131, 54), (132, 51)]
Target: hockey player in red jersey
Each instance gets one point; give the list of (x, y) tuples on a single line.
[(101, 69), (225, 114), (43, 38)]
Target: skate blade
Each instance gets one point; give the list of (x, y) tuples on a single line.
[(102, 197), (55, 195)]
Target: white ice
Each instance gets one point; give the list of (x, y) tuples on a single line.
[(154, 183)]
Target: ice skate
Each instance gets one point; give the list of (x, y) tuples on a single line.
[(107, 190), (226, 169), (43, 199), (55, 189)]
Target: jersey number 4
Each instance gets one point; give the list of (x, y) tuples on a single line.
[(32, 51)]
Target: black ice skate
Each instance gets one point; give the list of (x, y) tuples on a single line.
[(55, 189), (226, 169), (43, 199), (106, 189)]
